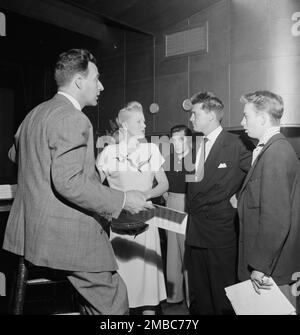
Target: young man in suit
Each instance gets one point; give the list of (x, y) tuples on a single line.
[(59, 195), (269, 201), (222, 162)]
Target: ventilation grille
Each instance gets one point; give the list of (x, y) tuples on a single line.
[(187, 41)]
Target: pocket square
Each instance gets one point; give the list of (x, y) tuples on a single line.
[(222, 166)]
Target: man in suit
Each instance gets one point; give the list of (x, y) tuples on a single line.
[(211, 237), (269, 201), (59, 195)]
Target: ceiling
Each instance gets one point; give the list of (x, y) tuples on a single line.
[(149, 16), (92, 17)]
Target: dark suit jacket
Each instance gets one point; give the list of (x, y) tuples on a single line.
[(59, 192), (212, 219), (269, 211)]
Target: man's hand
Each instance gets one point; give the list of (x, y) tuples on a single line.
[(260, 281), (136, 202)]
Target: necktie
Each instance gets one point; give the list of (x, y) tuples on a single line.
[(256, 152), (200, 168)]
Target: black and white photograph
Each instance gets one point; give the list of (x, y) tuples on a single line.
[(149, 162)]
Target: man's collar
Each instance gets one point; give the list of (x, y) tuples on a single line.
[(214, 134), (268, 134), (72, 99)]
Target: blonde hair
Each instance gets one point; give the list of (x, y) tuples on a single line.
[(124, 113), (266, 101)]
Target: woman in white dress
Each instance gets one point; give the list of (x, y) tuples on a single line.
[(133, 164)]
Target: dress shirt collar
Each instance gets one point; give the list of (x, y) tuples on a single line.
[(212, 136), (265, 138), (268, 134), (72, 99)]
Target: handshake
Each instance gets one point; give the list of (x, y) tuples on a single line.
[(136, 201)]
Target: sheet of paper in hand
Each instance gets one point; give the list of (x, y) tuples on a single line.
[(245, 301), (169, 219)]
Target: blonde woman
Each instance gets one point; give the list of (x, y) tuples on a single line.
[(135, 164)]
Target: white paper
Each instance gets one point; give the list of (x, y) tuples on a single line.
[(7, 191), (245, 301), (169, 219)]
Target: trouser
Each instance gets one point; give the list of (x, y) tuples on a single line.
[(177, 281), (103, 293), (209, 272)]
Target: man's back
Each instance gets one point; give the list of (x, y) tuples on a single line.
[(53, 206)]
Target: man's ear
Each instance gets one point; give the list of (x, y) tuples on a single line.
[(264, 118), (78, 81), (124, 125)]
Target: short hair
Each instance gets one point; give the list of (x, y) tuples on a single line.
[(70, 63), (176, 129), (265, 101), (132, 106), (209, 102)]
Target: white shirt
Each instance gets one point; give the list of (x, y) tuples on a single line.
[(264, 139), (72, 99), (211, 137), (130, 171)]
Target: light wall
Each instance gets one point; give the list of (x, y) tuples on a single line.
[(251, 46)]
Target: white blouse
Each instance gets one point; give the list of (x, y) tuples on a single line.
[(130, 170)]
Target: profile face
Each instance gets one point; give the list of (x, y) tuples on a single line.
[(252, 121), (179, 141), (200, 118), (92, 86), (135, 124)]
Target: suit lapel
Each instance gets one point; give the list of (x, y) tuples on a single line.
[(212, 161), (269, 143)]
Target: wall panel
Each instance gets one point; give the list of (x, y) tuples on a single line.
[(249, 30), (213, 80), (141, 91), (182, 76), (265, 54), (245, 77), (170, 92)]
